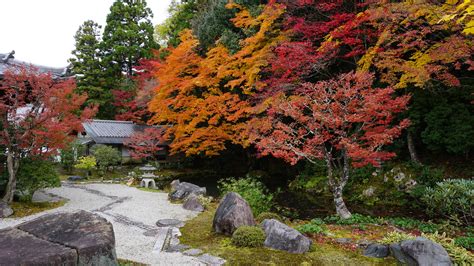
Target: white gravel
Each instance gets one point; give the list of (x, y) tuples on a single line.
[(132, 212)]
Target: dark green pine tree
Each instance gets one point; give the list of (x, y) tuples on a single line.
[(128, 36), (88, 68)]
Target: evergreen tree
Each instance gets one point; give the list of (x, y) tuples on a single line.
[(87, 66), (181, 14), (128, 36)]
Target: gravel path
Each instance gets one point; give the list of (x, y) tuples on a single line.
[(132, 212)]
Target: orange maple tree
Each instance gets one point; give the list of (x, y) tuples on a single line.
[(205, 100)]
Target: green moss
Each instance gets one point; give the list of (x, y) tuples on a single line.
[(248, 236), (198, 234), (22, 209)]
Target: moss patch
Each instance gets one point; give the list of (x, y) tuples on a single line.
[(198, 234), (22, 209)]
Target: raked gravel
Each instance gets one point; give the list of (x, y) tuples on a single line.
[(132, 212)]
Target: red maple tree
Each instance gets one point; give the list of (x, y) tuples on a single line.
[(146, 144), (344, 121), (37, 117)]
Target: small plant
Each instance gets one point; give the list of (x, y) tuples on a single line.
[(355, 219), (252, 190), (86, 163), (316, 226), (395, 237), (459, 255), (466, 242), (205, 201), (410, 224), (248, 236), (451, 198), (268, 215)]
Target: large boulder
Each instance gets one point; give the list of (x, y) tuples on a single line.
[(181, 190), (20, 248), (233, 212), (91, 236), (425, 252), (192, 203), (5, 210), (282, 237)]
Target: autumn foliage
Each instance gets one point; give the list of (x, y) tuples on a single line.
[(38, 116), (146, 144), (301, 85)]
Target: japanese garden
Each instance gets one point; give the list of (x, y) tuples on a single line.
[(245, 132)]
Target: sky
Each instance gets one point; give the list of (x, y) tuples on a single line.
[(42, 31)]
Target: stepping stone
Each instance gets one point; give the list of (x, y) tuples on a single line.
[(177, 248), (211, 260), (193, 252), (170, 223)]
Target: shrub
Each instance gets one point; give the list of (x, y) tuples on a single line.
[(86, 163), (268, 215), (34, 175), (253, 191), (452, 198), (466, 242), (248, 236), (106, 156), (316, 226)]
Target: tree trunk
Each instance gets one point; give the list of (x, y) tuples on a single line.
[(412, 149), (12, 166), (337, 186)]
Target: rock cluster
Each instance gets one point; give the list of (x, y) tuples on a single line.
[(419, 251), (182, 190)]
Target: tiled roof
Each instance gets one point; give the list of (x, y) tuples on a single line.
[(111, 131), (7, 60)]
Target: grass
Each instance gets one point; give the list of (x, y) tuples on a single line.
[(197, 233), (22, 209)]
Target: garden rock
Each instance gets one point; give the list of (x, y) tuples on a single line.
[(397, 253), (376, 251), (184, 189), (91, 236), (5, 210), (211, 260), (170, 223), (192, 252), (282, 237), (425, 252), (20, 248), (233, 212), (75, 178), (192, 203)]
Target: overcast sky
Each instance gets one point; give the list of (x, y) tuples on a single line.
[(42, 31)]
